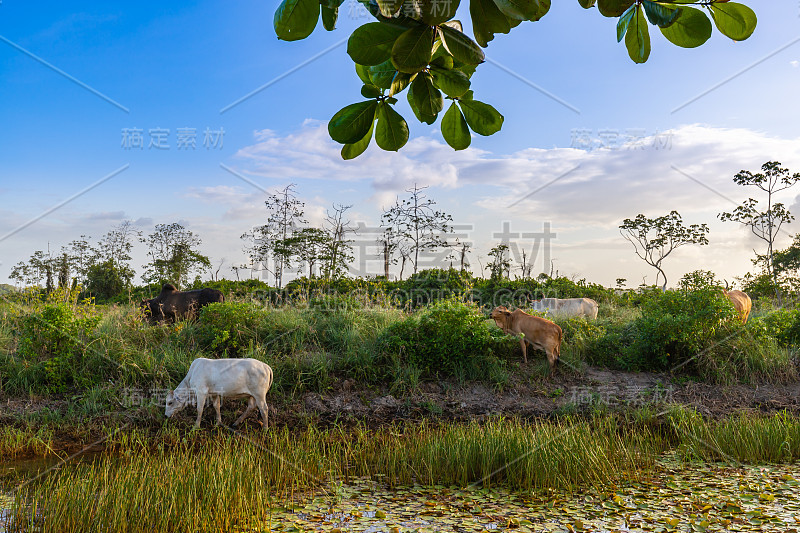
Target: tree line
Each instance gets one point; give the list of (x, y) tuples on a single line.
[(410, 227)]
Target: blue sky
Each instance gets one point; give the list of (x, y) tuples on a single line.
[(177, 67)]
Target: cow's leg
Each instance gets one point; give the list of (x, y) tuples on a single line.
[(201, 403), (524, 347), (217, 401), (262, 406), (251, 404)]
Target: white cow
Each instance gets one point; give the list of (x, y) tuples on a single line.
[(585, 307), (215, 379)]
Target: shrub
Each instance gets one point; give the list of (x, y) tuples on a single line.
[(447, 338), (782, 324), (228, 327), (53, 344), (677, 325)]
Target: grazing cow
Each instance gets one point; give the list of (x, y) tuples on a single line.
[(172, 304), (741, 302), (585, 307), (216, 379), (539, 332)]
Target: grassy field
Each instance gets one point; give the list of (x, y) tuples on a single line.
[(77, 364)]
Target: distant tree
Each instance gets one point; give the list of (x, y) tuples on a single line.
[(654, 239), (80, 255), (339, 248), (500, 266), (311, 246), (284, 216), (63, 271), (416, 225), (107, 278), (463, 248), (173, 255), (34, 271), (117, 244), (767, 223)]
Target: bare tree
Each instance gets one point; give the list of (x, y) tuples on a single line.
[(417, 225), (285, 215), (340, 249)]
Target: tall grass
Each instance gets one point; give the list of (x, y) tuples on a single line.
[(223, 481)]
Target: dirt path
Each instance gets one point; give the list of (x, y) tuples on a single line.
[(533, 397)]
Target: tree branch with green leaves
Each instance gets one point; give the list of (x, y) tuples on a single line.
[(417, 46)]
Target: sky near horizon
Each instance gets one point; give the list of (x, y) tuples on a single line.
[(589, 138)]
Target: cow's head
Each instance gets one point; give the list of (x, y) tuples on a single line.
[(177, 400), (151, 311), (501, 316)]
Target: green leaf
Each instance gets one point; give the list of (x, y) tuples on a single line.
[(389, 8), (391, 131), (296, 19), (427, 97), (659, 14), (400, 81), (691, 29), (613, 8), (453, 82), (482, 118), (637, 38), (353, 150), (352, 122), (435, 12), (363, 74), (586, 4), (383, 74), (371, 44), (442, 59), (329, 17), (544, 8), (519, 9), (370, 91), (454, 128), (624, 22), (734, 20), (427, 119), (487, 19), (413, 49), (461, 47)]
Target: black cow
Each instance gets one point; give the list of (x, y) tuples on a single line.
[(172, 304)]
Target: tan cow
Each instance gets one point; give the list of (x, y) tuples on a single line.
[(741, 302), (568, 307), (539, 332)]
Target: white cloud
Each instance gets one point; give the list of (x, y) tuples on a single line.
[(584, 194)]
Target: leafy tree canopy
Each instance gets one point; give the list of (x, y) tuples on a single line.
[(418, 47)]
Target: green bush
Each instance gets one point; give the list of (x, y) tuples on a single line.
[(228, 327), (677, 325), (447, 338), (783, 325), (55, 346)]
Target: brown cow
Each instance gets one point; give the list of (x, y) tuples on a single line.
[(539, 332), (172, 304), (741, 302)]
